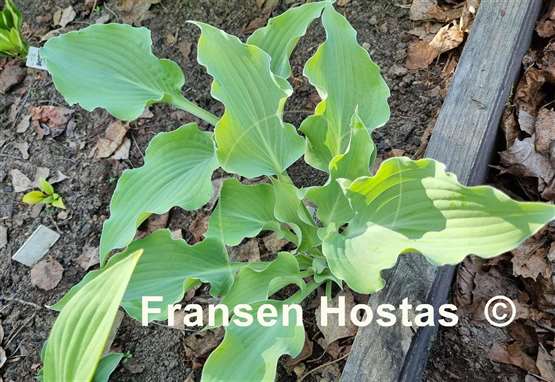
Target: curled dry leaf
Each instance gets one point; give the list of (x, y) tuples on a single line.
[(420, 54), (521, 159), (333, 330), (112, 139), (122, 152), (289, 363), (46, 274), (447, 38)]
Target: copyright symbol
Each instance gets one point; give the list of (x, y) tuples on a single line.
[(500, 311)]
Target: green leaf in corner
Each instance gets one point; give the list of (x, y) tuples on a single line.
[(106, 367), (415, 206), (111, 66), (251, 137), (282, 34), (11, 42), (80, 333), (167, 268), (333, 206), (177, 171), (254, 350), (242, 211), (338, 61)]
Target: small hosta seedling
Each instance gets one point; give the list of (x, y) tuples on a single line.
[(11, 42), (362, 222), (46, 195)]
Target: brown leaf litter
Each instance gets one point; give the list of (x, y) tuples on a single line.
[(46, 274)]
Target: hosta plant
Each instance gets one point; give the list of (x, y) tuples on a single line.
[(11, 42), (346, 231)]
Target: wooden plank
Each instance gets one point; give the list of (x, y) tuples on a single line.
[(463, 138)]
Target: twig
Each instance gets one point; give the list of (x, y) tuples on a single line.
[(18, 300), (18, 330), (324, 365)]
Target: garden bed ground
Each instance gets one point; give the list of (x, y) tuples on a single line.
[(160, 353)]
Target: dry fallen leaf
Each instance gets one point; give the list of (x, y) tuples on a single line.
[(333, 331), (113, 138), (198, 345), (521, 159), (199, 226), (248, 251), (509, 126), (545, 131), (427, 10), (23, 148), (545, 364), (184, 48), (273, 242), (289, 363), (50, 120), (546, 25), (447, 38), (513, 355), (547, 62), (529, 260), (23, 124), (12, 74), (62, 17), (528, 95), (46, 274), (122, 152), (134, 11), (420, 55), (88, 258), (20, 182)]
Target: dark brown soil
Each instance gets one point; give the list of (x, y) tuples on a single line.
[(158, 352)]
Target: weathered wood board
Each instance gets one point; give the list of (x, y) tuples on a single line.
[(463, 138)]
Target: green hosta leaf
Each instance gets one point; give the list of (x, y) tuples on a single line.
[(167, 268), (106, 367), (177, 171), (251, 136), (290, 209), (242, 211), (333, 206), (416, 206), (253, 351), (80, 333), (11, 42), (282, 33), (258, 281), (346, 79), (111, 66)]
